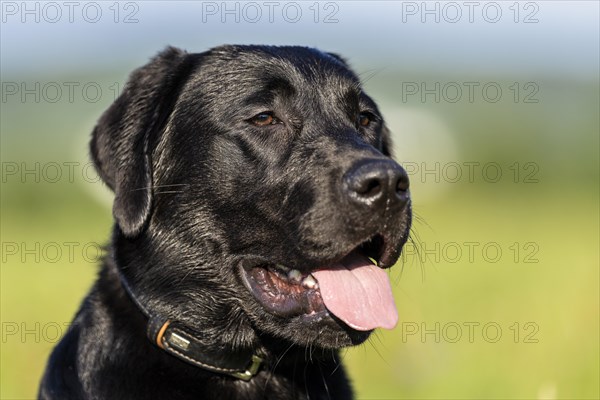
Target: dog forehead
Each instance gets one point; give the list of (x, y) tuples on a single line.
[(306, 61), (228, 71)]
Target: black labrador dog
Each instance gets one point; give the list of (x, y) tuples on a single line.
[(256, 208)]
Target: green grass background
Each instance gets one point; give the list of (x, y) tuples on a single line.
[(558, 295)]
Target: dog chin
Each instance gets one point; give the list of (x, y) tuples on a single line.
[(322, 330), (331, 333)]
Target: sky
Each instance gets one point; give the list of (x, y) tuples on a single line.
[(556, 38)]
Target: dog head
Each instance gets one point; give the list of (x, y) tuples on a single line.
[(253, 187)]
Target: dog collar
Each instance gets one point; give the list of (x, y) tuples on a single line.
[(181, 342)]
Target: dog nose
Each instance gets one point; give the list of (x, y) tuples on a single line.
[(377, 183)]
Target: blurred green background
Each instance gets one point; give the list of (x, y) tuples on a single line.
[(498, 292)]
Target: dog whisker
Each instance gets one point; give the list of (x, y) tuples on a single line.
[(168, 185), (306, 381), (372, 74), (338, 364), (278, 360), (169, 192), (370, 341), (324, 381)]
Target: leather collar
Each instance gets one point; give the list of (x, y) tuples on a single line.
[(182, 342)]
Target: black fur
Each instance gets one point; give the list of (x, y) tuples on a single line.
[(201, 193)]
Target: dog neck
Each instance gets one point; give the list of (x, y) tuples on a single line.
[(182, 342)]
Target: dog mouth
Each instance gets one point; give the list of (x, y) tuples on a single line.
[(353, 288)]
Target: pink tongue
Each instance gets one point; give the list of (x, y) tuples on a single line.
[(359, 293)]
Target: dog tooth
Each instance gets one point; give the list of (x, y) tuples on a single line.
[(282, 267), (310, 282), (295, 275)]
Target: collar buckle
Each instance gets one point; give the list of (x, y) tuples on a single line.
[(252, 370)]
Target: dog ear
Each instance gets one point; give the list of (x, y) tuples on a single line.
[(121, 141)]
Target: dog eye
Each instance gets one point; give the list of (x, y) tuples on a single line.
[(264, 119), (365, 118)]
